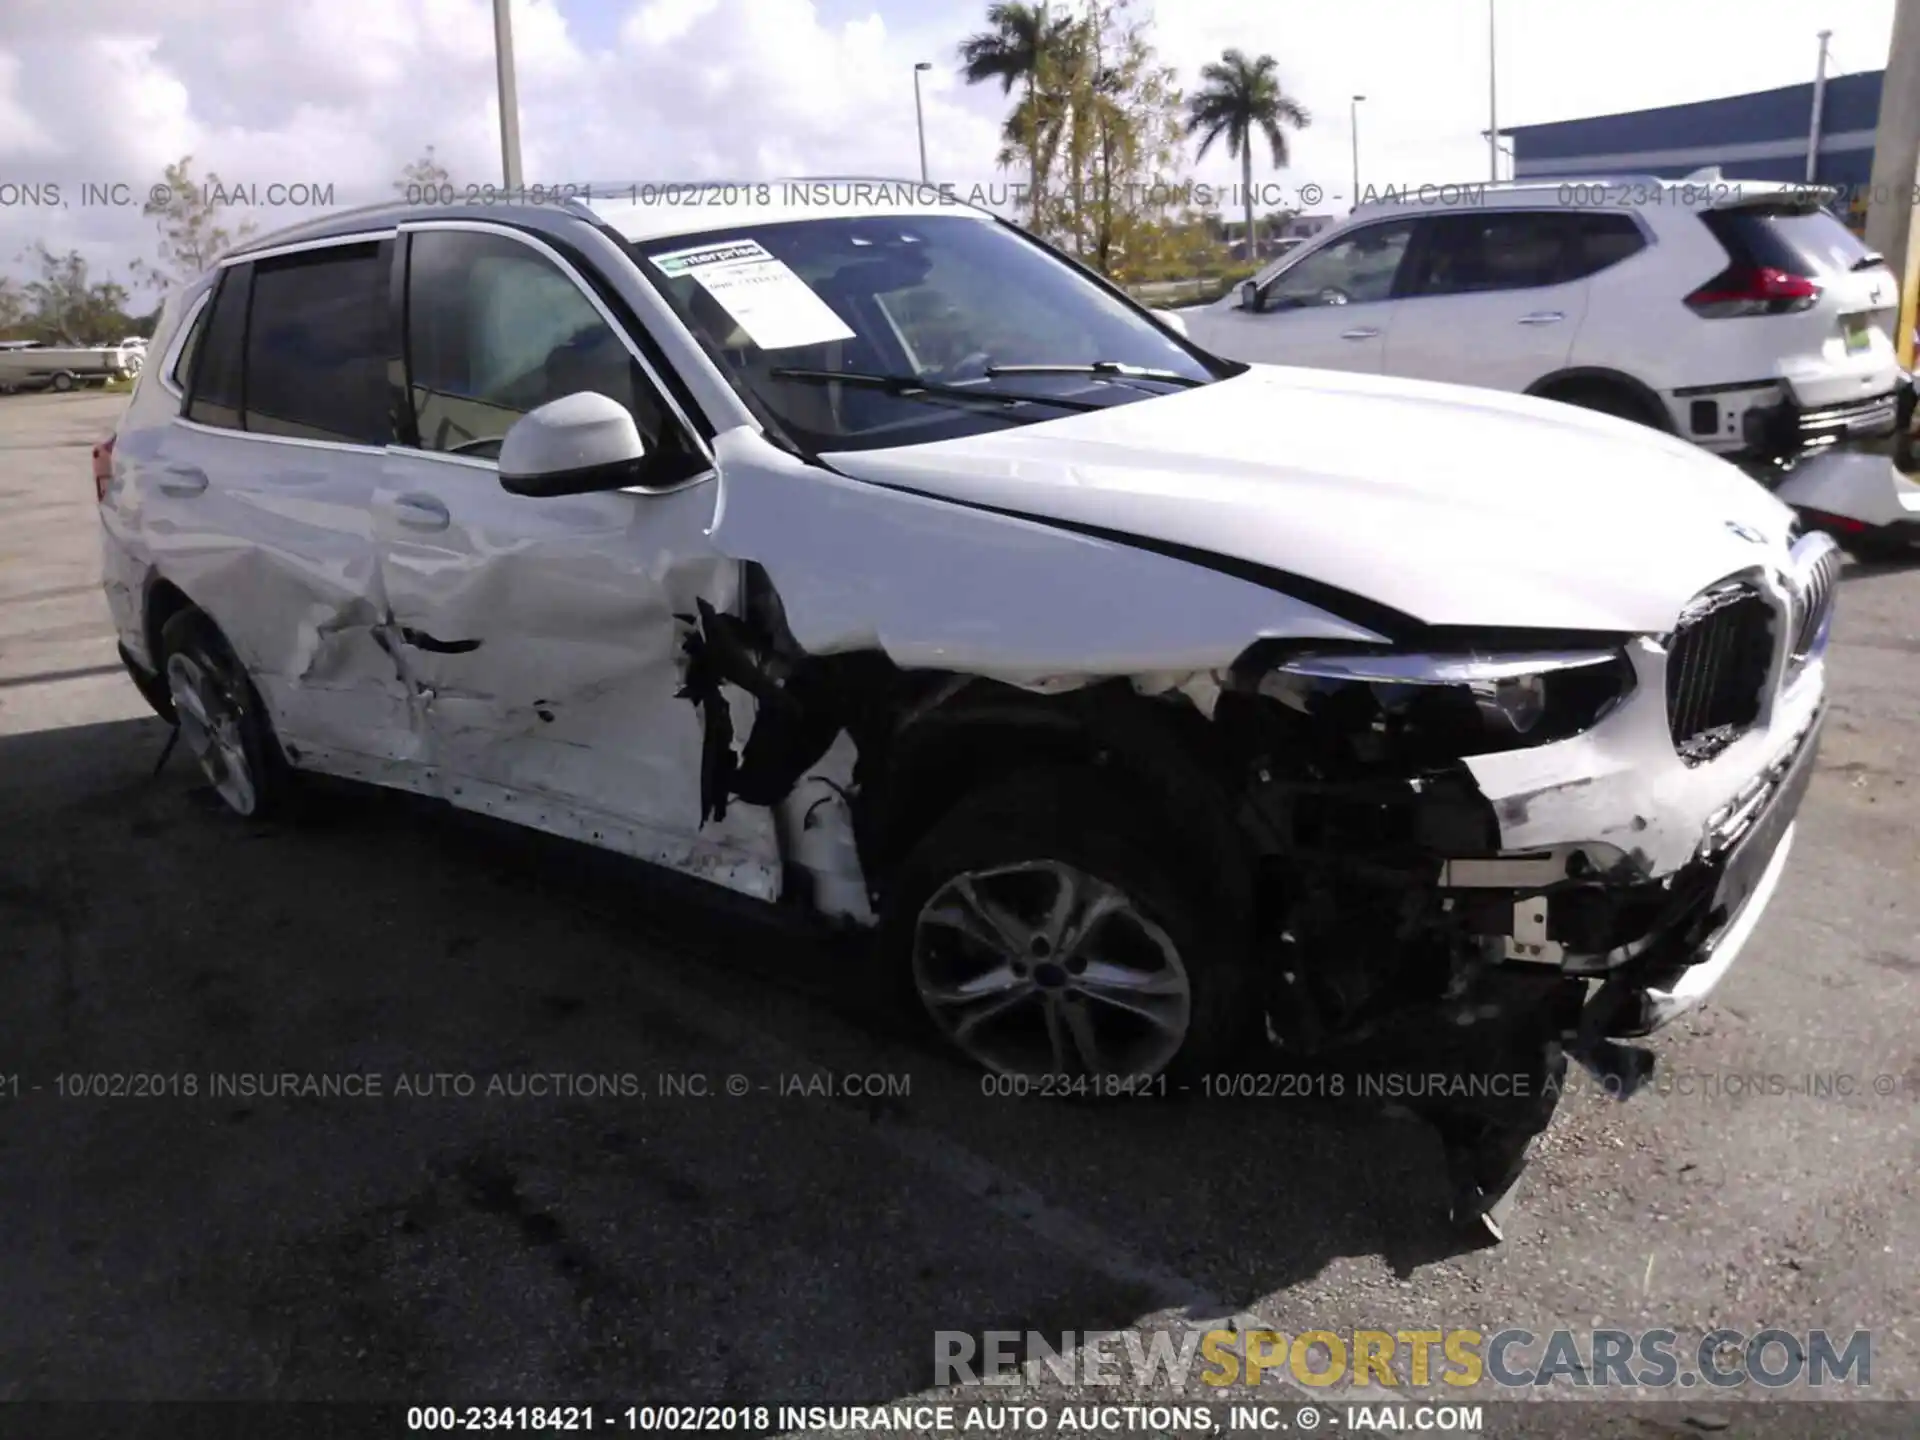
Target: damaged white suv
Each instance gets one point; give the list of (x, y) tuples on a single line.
[(860, 554)]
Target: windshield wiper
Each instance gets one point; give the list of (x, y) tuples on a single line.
[(1099, 369), (908, 387), (1868, 261)]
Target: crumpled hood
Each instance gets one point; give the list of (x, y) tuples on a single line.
[(1456, 506)]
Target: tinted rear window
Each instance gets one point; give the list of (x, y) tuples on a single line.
[(1599, 241), (318, 344), (216, 373), (1790, 238)]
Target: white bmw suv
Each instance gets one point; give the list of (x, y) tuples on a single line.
[(865, 557), (1738, 314)]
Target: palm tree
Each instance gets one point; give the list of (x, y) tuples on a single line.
[(1237, 97), (1025, 40)]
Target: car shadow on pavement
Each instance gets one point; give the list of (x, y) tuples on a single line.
[(556, 1185)]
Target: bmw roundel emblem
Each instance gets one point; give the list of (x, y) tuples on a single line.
[(1746, 532)]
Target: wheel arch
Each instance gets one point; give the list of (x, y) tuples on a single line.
[(986, 732), (1575, 378), (162, 602)]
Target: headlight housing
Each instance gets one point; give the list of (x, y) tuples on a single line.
[(1432, 708)]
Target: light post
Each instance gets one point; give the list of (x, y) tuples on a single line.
[(919, 116), (1355, 111), (509, 94), (1493, 108)]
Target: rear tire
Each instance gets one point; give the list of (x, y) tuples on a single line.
[(1609, 400), (221, 716), (62, 382), (1046, 926)]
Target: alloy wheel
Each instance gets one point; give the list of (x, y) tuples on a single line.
[(213, 728), (1041, 968)]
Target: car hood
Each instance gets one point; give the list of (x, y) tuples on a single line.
[(1455, 506)]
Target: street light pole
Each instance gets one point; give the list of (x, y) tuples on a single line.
[(919, 116), (1355, 111), (1493, 107), (1819, 104), (509, 94)]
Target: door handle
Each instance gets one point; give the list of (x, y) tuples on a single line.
[(1543, 317), (422, 512), (1364, 332), (182, 480)]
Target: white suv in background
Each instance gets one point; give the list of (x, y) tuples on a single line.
[(1738, 314)]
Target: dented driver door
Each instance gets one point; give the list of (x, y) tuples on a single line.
[(541, 638)]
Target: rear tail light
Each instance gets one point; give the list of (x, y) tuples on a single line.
[(102, 468), (1835, 525), (1753, 290)]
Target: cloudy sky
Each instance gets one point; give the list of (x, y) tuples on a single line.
[(343, 93)]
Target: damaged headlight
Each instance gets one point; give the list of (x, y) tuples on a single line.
[(1443, 707)]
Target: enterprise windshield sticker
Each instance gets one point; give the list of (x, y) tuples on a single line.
[(762, 294)]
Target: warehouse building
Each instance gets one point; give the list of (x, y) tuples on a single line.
[(1762, 136)]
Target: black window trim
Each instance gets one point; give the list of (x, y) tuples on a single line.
[(230, 266), (556, 255)]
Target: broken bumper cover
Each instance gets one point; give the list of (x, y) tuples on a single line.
[(1748, 872)]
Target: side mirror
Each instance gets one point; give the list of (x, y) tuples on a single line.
[(1249, 296), (1173, 320), (575, 445)]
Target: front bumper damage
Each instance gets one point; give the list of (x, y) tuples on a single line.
[(1486, 923), (1623, 865)]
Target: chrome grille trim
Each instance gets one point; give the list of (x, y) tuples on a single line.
[(1816, 583), (1720, 659)]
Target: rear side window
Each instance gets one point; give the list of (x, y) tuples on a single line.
[(1467, 254), (217, 372), (1787, 237), (1500, 250), (318, 341), (1599, 240), (182, 376)]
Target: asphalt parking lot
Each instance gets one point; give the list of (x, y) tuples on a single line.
[(783, 1245)]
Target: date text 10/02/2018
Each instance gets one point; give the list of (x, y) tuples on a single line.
[(943, 1419)]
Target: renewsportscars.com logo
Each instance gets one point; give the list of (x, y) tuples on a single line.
[(1393, 1359)]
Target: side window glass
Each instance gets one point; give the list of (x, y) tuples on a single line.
[(1502, 250), (317, 346), (182, 375), (1353, 271), (1600, 241), (494, 330), (217, 372)]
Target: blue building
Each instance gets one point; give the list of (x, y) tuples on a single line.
[(1762, 136)]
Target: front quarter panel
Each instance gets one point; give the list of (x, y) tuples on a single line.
[(937, 584)]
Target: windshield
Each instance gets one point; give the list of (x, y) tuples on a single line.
[(955, 301)]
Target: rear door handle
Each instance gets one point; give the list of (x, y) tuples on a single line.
[(1543, 317), (422, 512), (1364, 332), (182, 480)]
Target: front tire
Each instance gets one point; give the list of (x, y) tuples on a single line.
[(1045, 927), (221, 717)]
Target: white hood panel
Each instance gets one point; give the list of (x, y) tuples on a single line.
[(1456, 506)]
